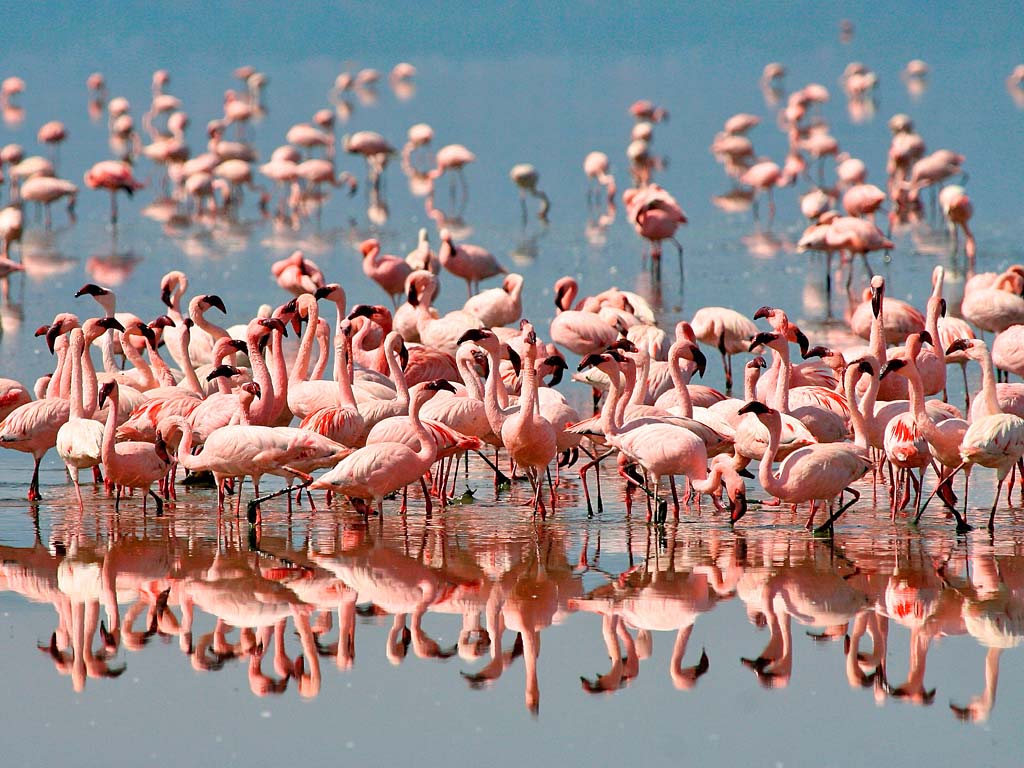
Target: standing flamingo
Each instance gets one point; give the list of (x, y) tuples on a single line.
[(372, 472), (816, 473), (114, 176), (130, 464), (79, 440)]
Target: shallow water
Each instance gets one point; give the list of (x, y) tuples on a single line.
[(512, 90)]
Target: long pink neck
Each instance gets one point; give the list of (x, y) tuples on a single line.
[(77, 403), (682, 392), (876, 343), (345, 396), (989, 404), (627, 392), (264, 411), (764, 472), (428, 447), (923, 421), (136, 359), (191, 379), (278, 375), (300, 368), (90, 387), (528, 400), (783, 382), (109, 429), (397, 376), (639, 394), (163, 373), (750, 377), (464, 362), (609, 423), (860, 431), (495, 415)]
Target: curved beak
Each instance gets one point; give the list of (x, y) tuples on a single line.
[(214, 300)]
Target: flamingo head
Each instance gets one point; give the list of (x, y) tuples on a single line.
[(253, 389), (757, 362), (91, 289), (161, 322), (877, 294), (765, 337), (274, 324), (369, 246), (438, 384), (892, 366), (213, 300), (223, 371), (109, 389)]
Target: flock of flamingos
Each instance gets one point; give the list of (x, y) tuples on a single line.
[(412, 390)]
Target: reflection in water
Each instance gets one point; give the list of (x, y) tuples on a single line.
[(456, 585)]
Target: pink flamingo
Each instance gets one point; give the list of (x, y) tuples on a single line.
[(498, 306), (763, 176), (595, 166), (957, 208), (372, 472), (816, 473), (727, 330), (297, 274), (389, 272), (47, 190), (79, 440), (580, 332), (420, 363), (527, 435), (453, 157), (994, 439), (656, 216), (944, 438), (114, 176), (130, 464), (470, 262)]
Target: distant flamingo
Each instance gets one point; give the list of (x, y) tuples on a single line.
[(470, 262), (656, 216), (113, 176), (727, 330), (389, 272)]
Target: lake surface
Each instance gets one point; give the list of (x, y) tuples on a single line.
[(929, 613)]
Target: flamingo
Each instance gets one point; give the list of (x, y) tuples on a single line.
[(79, 440), (389, 272), (372, 472), (526, 177), (130, 464), (944, 438), (994, 439), (498, 306), (114, 176), (725, 329), (595, 166), (470, 262), (815, 473), (656, 216), (582, 333)]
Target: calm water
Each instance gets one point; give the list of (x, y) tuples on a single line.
[(520, 85)]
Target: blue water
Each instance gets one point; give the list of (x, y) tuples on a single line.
[(515, 82)]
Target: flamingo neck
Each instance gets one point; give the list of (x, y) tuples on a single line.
[(163, 373), (463, 360), (923, 421), (191, 379), (876, 342), (77, 403), (300, 368), (427, 451), (860, 431), (750, 377), (609, 423), (345, 396), (262, 413), (639, 394), (495, 415), (764, 471), (528, 402), (782, 383), (216, 331), (108, 452), (107, 347), (397, 375), (90, 387), (682, 392), (278, 375), (136, 359), (989, 399)]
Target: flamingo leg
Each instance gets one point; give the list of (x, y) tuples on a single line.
[(828, 525)]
